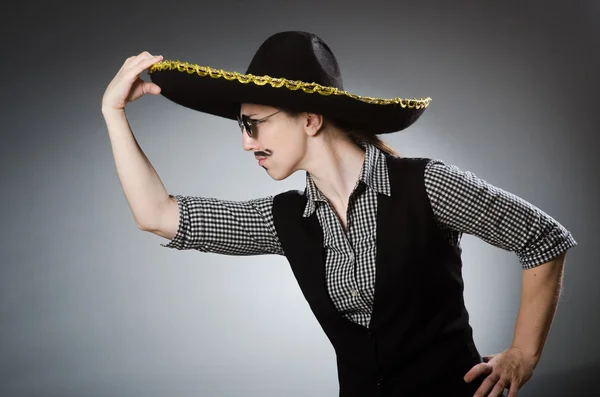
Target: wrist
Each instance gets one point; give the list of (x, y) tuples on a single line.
[(532, 357), (108, 111)]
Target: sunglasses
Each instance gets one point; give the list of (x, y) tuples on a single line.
[(249, 125)]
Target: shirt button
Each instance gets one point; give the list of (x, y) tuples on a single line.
[(354, 293)]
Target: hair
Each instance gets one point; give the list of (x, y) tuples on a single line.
[(356, 135)]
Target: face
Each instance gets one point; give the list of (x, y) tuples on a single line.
[(279, 144)]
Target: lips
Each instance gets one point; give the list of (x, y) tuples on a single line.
[(260, 157)]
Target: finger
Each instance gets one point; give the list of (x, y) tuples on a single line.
[(132, 59), (154, 59), (498, 389), (485, 387), (512, 391), (128, 60), (145, 63), (477, 371), (132, 74)]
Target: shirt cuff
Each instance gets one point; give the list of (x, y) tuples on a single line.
[(554, 245), (178, 241)]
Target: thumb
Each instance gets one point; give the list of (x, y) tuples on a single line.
[(151, 88)]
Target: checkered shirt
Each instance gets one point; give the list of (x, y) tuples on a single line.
[(461, 202)]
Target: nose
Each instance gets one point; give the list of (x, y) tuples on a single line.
[(249, 144)]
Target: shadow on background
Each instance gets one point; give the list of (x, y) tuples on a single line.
[(579, 382)]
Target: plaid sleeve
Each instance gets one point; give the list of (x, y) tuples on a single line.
[(226, 227), (464, 203)]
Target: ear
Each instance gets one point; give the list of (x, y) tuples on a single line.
[(313, 123)]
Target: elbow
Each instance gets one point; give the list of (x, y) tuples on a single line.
[(150, 221), (144, 226)]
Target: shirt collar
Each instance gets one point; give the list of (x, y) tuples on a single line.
[(373, 174)]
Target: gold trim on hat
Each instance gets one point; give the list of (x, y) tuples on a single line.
[(411, 103)]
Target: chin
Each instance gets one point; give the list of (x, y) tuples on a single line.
[(278, 176)]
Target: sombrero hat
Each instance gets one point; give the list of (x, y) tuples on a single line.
[(292, 70)]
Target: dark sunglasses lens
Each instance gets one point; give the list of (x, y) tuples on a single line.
[(243, 124), (249, 127)]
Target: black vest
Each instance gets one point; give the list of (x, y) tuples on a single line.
[(419, 341)]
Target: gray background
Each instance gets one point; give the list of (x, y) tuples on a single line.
[(92, 306)]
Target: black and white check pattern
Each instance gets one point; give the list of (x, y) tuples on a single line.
[(461, 202)]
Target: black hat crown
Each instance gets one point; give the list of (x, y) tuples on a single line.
[(299, 56)]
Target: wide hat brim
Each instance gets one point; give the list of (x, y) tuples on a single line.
[(220, 93)]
